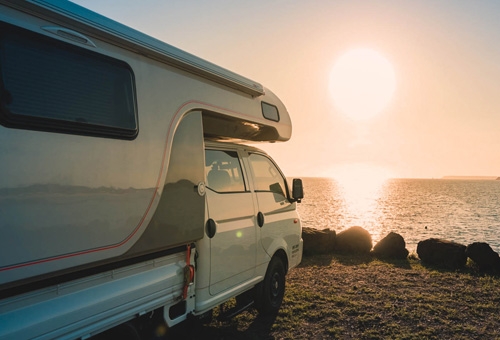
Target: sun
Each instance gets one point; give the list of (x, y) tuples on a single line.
[(362, 82)]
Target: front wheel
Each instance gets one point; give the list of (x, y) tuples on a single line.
[(271, 291)]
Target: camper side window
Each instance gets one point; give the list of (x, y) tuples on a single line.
[(50, 85), (223, 171), (270, 112), (267, 177)]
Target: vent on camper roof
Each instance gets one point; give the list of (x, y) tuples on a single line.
[(69, 34)]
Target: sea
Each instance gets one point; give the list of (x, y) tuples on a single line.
[(462, 211)]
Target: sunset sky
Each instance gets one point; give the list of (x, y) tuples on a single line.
[(440, 113)]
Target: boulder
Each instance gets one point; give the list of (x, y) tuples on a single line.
[(318, 241), (354, 240), (391, 246), (482, 254), (442, 253)]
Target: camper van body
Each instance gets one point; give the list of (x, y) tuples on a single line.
[(107, 210)]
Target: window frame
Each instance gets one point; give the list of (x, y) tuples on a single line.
[(46, 124)]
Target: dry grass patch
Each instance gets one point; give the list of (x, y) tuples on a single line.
[(343, 297)]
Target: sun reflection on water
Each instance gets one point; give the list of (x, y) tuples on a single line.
[(417, 209), (361, 186)]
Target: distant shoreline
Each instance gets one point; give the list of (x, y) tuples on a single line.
[(473, 177), (477, 178)]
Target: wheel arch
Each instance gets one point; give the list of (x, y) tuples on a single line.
[(281, 254)]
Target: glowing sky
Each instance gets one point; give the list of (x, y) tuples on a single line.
[(444, 115)]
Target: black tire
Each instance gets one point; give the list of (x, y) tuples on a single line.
[(272, 289)]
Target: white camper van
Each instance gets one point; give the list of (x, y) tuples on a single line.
[(126, 194)]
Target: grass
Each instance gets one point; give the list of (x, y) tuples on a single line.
[(346, 297)]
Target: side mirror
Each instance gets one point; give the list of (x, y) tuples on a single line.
[(297, 190)]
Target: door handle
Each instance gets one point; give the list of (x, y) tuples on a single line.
[(210, 228), (260, 219)]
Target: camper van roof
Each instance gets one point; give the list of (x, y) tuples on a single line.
[(95, 24)]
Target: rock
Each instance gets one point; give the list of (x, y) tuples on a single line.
[(482, 254), (318, 241), (391, 246), (354, 240), (442, 253)]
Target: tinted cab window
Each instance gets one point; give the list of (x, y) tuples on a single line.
[(267, 177), (223, 171)]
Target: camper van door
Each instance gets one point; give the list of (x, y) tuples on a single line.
[(276, 213), (231, 209)]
